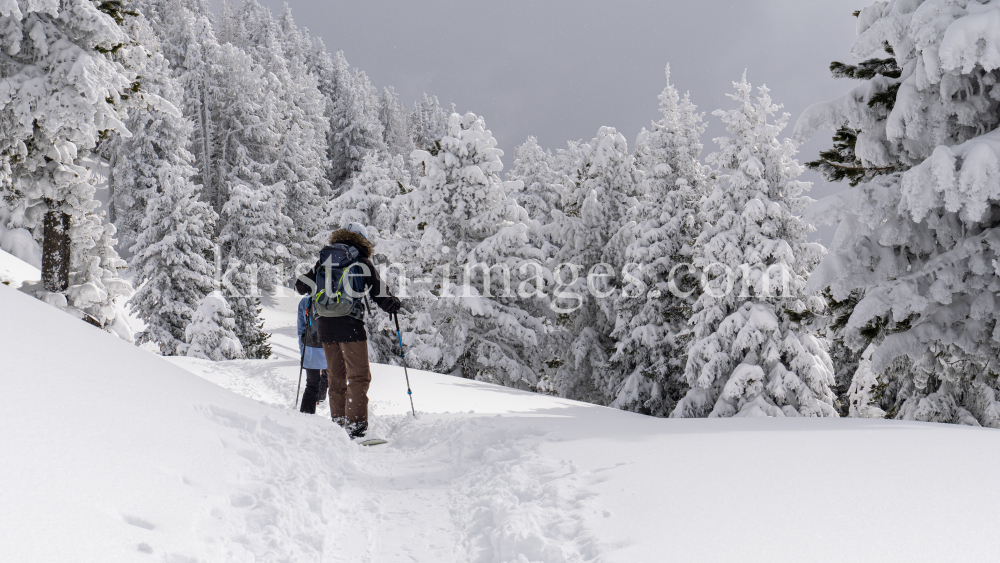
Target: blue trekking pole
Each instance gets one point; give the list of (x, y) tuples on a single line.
[(402, 355), (302, 362)]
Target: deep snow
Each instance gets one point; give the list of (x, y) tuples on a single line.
[(110, 453)]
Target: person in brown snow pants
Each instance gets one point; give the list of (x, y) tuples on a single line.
[(348, 376), (345, 341)]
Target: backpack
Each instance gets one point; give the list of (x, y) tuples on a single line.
[(338, 265), (311, 336)]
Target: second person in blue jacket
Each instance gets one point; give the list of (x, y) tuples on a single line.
[(313, 359)]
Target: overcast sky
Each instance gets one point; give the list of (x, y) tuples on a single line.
[(560, 69)]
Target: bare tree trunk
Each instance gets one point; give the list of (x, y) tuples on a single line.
[(112, 207), (56, 250), (207, 180)]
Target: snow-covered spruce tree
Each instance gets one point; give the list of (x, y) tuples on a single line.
[(474, 327), (171, 258), (646, 369), (545, 185), (250, 256), (395, 123), (429, 122), (355, 129), (298, 119), (253, 226), (920, 245), (172, 241), (862, 134), (369, 199), (210, 335), (538, 182), (133, 172), (594, 227), (511, 349), (234, 106), (69, 79), (171, 253), (747, 356)]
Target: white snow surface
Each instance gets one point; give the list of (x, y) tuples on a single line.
[(110, 453), (15, 271)]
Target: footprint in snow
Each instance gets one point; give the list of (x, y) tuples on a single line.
[(137, 522)]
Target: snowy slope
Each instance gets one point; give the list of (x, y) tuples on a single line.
[(15, 271), (110, 453)]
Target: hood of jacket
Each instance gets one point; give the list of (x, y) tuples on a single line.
[(354, 239)]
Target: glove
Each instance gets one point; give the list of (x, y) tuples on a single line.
[(394, 306)]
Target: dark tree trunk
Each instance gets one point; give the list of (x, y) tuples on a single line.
[(56, 251), (112, 207)]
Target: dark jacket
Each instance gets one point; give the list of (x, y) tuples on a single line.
[(349, 329)]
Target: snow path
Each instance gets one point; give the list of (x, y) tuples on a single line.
[(469, 487)]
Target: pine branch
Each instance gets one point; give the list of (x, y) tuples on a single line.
[(887, 98), (861, 168), (868, 69), (840, 162)]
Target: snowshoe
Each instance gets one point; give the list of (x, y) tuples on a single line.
[(373, 442)]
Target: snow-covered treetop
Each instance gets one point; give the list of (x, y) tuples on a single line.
[(670, 150), (543, 185), (758, 164), (370, 195), (461, 178), (609, 173), (429, 121), (753, 211)]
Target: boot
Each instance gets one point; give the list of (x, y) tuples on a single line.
[(357, 429), (323, 389), (308, 405)]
